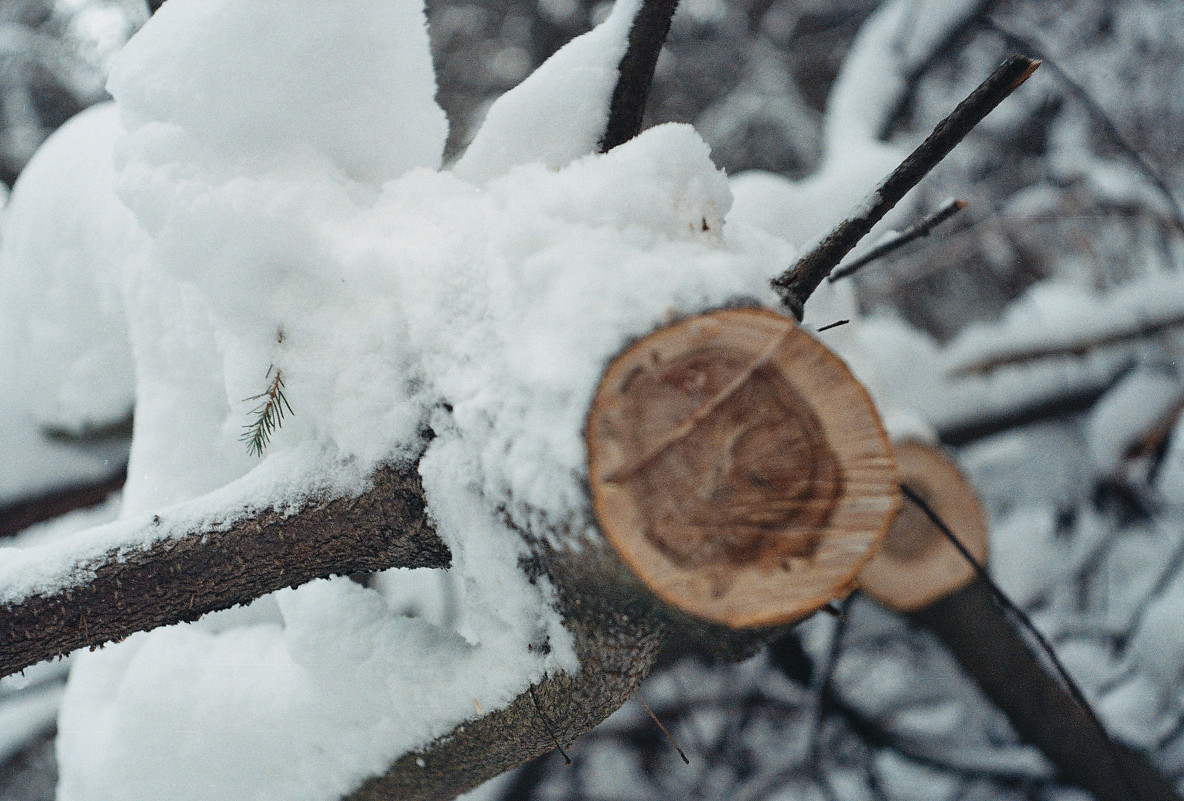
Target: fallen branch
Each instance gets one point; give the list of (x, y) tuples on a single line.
[(972, 621), (181, 575), (1042, 711), (797, 283)]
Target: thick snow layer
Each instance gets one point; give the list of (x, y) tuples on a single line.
[(351, 82), (395, 301), (1131, 408), (64, 348), (558, 113)]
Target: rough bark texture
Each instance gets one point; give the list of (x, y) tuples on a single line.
[(1042, 711), (620, 629), (617, 646), (224, 564)]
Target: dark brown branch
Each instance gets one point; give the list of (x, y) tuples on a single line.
[(796, 284), (636, 72), (918, 231), (17, 516), (1042, 711), (617, 647), (222, 564), (1072, 401)]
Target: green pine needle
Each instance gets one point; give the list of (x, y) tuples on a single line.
[(269, 414)]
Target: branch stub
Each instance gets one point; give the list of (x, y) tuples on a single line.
[(739, 468), (917, 565)]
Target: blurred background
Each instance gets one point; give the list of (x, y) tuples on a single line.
[(1071, 437)]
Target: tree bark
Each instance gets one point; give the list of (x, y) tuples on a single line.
[(636, 72), (225, 562), (617, 646)]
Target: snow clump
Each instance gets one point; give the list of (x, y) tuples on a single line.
[(284, 163)]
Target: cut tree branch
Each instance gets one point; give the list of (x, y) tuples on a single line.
[(796, 284), (180, 576), (636, 72)]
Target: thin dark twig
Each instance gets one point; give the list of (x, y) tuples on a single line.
[(894, 243), (547, 725), (797, 283), (913, 73), (1101, 117), (636, 72), (669, 736), (829, 326), (1010, 607), (825, 678), (1166, 576)]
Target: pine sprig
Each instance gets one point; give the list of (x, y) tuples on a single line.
[(269, 414)]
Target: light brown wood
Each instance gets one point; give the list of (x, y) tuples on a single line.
[(917, 565), (738, 468)]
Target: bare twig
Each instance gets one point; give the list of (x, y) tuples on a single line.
[(1101, 117), (1128, 331), (894, 243), (665, 731), (646, 37), (913, 73), (796, 284)]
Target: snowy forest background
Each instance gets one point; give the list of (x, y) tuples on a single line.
[(1039, 333)]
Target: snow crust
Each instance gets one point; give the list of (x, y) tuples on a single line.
[(460, 317)]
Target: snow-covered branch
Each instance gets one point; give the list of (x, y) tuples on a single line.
[(148, 572)]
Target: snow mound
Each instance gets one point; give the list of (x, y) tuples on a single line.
[(411, 314)]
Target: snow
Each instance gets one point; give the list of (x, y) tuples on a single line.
[(558, 113), (854, 160), (372, 113), (1143, 397), (63, 336), (459, 317), (25, 718), (462, 318)]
